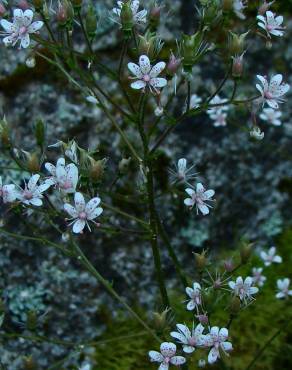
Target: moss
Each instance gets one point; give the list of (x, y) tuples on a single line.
[(249, 331)]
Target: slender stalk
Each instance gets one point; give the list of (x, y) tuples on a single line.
[(85, 33), (108, 286), (127, 215), (171, 251), (151, 206), (189, 96)]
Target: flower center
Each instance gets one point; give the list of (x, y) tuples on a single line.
[(82, 215), (27, 195), (268, 95), (192, 341), (67, 185), (22, 30), (146, 78)]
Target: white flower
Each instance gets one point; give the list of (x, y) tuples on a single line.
[(64, 177), (138, 16), (82, 212), (238, 7), (146, 75), (258, 278), (283, 287), (182, 173), (217, 339), (189, 338), (218, 114), (272, 92), (271, 116), (271, 24), (166, 356), (8, 193), (91, 99), (30, 62), (243, 289), (256, 133), (219, 118), (270, 257), (21, 27), (199, 198), (195, 295), (32, 193)]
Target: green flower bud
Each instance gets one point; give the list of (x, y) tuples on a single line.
[(38, 4), (227, 5), (160, 320), (235, 305), (32, 163), (77, 4), (201, 261), (96, 169), (127, 19), (245, 252), (124, 165), (236, 43), (31, 320), (91, 21), (4, 134), (192, 48), (154, 17), (40, 132)]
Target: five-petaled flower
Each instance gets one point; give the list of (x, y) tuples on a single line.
[(199, 198), (32, 193), (217, 339), (270, 257), (272, 92), (271, 116), (82, 212), (271, 24), (283, 287), (166, 356), (138, 16), (258, 278), (195, 295), (64, 177), (243, 289), (20, 28), (190, 339), (8, 193), (146, 75)]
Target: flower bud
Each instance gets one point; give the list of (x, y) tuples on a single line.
[(30, 62), (29, 363), (202, 363), (264, 7), (40, 132), (124, 165), (64, 13), (65, 237), (2, 10), (201, 261), (146, 45), (31, 320), (236, 43), (227, 5), (160, 319), (33, 164), (4, 134), (77, 4), (256, 133), (91, 21), (38, 4), (23, 5), (235, 305), (203, 319), (154, 16), (173, 64), (192, 48), (127, 18), (269, 44), (229, 265), (96, 169), (237, 66), (158, 111), (245, 252)]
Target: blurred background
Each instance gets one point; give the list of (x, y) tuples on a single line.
[(252, 180)]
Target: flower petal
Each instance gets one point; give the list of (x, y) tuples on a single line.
[(70, 210), (79, 202), (158, 82), (135, 70), (157, 69), (25, 40), (177, 360), (168, 349), (144, 63), (137, 85), (78, 226), (8, 26), (35, 26), (155, 356)]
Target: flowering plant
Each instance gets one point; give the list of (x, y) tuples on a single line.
[(69, 200)]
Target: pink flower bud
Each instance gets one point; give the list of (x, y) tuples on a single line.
[(2, 10), (203, 319), (237, 66), (23, 5), (155, 13), (229, 265), (173, 64)]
